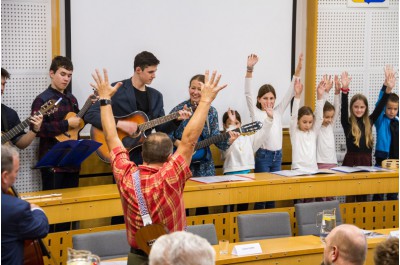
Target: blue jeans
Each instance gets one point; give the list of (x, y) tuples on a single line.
[(267, 161)]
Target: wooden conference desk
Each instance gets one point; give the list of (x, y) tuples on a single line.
[(288, 251), (93, 202)]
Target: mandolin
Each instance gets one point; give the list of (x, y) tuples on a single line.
[(147, 235), (129, 141), (73, 133), (46, 109)]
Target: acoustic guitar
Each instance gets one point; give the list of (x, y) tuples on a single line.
[(201, 150), (73, 133), (129, 141), (46, 109)]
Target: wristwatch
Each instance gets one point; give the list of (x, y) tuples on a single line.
[(104, 102)]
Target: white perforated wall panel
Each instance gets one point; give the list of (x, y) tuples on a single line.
[(26, 54), (360, 41)]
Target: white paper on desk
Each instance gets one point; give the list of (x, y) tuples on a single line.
[(216, 179), (124, 262), (247, 249), (394, 234)]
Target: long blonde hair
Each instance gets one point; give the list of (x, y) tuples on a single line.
[(355, 130)]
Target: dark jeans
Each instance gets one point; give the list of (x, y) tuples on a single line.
[(59, 180), (267, 161)]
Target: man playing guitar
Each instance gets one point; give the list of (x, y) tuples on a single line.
[(10, 119), (134, 95), (163, 175)]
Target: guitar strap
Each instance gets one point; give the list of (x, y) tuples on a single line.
[(144, 213)]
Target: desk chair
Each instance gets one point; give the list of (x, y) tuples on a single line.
[(306, 216), (264, 225), (206, 231), (107, 244)]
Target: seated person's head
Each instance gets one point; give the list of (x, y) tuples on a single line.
[(181, 248), (387, 252), (157, 148), (345, 244), (392, 106)]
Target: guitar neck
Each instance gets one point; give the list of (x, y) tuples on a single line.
[(16, 130), (214, 139), (85, 108), (153, 123)]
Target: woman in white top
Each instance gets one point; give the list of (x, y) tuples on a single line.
[(268, 158), (304, 128)]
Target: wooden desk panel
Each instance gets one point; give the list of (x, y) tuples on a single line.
[(98, 201)]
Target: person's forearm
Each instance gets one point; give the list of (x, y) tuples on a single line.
[(109, 126), (25, 140)]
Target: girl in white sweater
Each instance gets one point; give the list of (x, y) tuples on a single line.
[(268, 157), (304, 128), (239, 157)]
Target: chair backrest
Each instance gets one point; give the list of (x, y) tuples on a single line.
[(206, 231), (107, 244), (264, 225), (306, 216), (390, 163)]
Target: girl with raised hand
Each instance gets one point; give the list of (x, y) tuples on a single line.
[(358, 128), (304, 128), (268, 157)]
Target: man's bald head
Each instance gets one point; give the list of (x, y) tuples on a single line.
[(345, 244)]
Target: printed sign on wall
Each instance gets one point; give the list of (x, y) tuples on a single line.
[(367, 3)]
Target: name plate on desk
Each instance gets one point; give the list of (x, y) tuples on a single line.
[(247, 249)]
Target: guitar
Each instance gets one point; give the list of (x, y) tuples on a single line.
[(72, 133), (47, 108), (147, 235), (129, 141), (201, 152)]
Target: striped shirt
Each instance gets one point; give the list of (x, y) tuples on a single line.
[(162, 190)]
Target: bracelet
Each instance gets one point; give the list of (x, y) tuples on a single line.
[(33, 130), (345, 90), (250, 69), (105, 101)]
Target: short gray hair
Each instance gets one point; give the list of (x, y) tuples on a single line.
[(7, 157), (181, 248)]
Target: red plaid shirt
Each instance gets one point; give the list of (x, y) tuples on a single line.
[(162, 190)]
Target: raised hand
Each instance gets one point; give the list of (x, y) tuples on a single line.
[(338, 85), (390, 79), (103, 87), (391, 82), (321, 88), (299, 65), (298, 88), (345, 79), (210, 88), (252, 60), (231, 115), (328, 83)]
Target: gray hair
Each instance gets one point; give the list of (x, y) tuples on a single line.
[(7, 157), (181, 248)]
